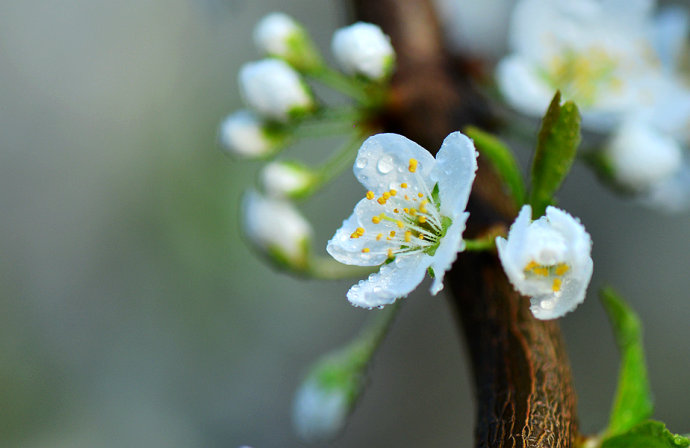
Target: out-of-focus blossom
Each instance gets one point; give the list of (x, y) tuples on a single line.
[(286, 179), (363, 49), (279, 35), (243, 133)]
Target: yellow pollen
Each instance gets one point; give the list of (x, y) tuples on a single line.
[(562, 269), (531, 265), (420, 195), (395, 210), (541, 271), (413, 212), (422, 219), (390, 253), (370, 195), (376, 219), (393, 192), (557, 283), (403, 185), (392, 234), (381, 200), (408, 236), (354, 235), (407, 197), (413, 165), (400, 224), (422, 206), (365, 250), (421, 236), (379, 236), (386, 195), (406, 210), (359, 231)]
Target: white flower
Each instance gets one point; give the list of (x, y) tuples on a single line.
[(320, 412), (279, 35), (548, 260), (245, 134), (277, 229), (274, 89), (672, 195), (363, 49), (599, 53), (412, 217), (286, 179), (640, 157)]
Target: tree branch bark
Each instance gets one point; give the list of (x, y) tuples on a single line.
[(523, 383)]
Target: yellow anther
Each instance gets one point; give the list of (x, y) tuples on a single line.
[(531, 265), (562, 269), (557, 283), (392, 234), (360, 231), (422, 219), (413, 212), (422, 206), (541, 271), (395, 210), (413, 165), (403, 185), (386, 195), (376, 219), (379, 236), (421, 236), (370, 195), (407, 197), (400, 224), (406, 210), (393, 192), (365, 250), (390, 253), (354, 235), (408, 236), (381, 200), (421, 195)]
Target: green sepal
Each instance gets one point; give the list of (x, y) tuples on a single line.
[(648, 434), (557, 144), (633, 402), (502, 161)]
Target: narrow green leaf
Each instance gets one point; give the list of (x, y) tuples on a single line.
[(559, 137), (648, 434), (502, 160), (633, 401)]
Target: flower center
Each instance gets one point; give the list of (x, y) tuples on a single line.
[(552, 273), (406, 219)]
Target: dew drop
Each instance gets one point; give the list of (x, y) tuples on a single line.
[(361, 162), (385, 164), (547, 304)]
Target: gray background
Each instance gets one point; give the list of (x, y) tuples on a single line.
[(134, 315)]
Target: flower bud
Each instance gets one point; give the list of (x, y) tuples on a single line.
[(640, 157), (277, 229), (287, 179), (275, 90), (278, 35), (363, 49), (243, 133)]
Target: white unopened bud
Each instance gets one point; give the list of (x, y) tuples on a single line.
[(363, 49), (320, 412), (244, 134), (287, 179), (274, 89), (277, 229), (640, 157), (279, 35)]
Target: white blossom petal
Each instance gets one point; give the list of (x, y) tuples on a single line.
[(363, 49), (447, 251), (455, 168), (394, 280)]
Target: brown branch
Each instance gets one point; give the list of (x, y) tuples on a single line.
[(523, 383)]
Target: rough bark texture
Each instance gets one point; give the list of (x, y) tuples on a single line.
[(522, 377)]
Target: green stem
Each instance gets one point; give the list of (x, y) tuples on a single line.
[(481, 244), (341, 83), (369, 340), (327, 268), (343, 158)]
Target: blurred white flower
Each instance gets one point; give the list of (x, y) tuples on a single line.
[(548, 260), (277, 229), (640, 157), (673, 194), (286, 179), (363, 49), (412, 217), (243, 133), (274, 89), (279, 35), (319, 411), (599, 53)]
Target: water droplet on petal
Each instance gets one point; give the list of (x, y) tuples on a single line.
[(547, 304), (385, 164), (361, 162)]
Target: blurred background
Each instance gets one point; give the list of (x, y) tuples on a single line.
[(134, 315)]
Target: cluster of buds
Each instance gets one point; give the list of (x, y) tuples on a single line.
[(281, 108)]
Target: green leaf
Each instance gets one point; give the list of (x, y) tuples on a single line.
[(559, 137), (633, 401), (648, 434), (502, 161)]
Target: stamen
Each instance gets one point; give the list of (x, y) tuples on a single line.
[(386, 195), (407, 197), (381, 200), (365, 250), (421, 219), (395, 210), (413, 165), (544, 272), (531, 265), (360, 231), (393, 192), (370, 195), (403, 185), (390, 254), (379, 236), (376, 219), (557, 283), (400, 224), (392, 234), (562, 269), (421, 195), (408, 236)]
